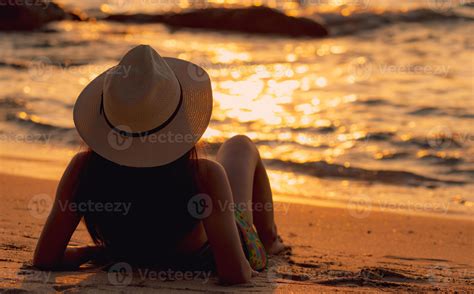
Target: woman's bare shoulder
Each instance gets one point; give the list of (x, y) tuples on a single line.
[(80, 157), (207, 167), (210, 173)]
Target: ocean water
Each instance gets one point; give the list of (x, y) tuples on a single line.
[(378, 115)]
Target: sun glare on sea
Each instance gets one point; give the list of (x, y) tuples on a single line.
[(291, 7)]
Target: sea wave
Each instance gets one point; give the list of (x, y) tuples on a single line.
[(336, 22), (364, 20), (44, 61), (323, 169), (31, 121), (17, 111), (44, 132)]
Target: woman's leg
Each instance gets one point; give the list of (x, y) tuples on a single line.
[(250, 187)]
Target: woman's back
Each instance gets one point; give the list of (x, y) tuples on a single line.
[(137, 211), (134, 196)]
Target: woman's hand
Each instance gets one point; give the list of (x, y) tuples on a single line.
[(51, 251), (241, 276), (74, 257), (221, 229)]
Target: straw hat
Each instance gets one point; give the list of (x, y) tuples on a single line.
[(147, 111)]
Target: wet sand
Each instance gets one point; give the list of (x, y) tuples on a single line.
[(333, 249)]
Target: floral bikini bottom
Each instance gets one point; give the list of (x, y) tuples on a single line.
[(251, 243)]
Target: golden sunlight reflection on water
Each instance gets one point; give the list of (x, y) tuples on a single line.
[(271, 102), (291, 7), (301, 101)]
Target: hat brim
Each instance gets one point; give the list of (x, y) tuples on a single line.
[(160, 148)]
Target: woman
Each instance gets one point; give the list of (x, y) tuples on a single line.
[(145, 197)]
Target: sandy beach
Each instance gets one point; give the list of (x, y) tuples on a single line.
[(333, 249), (361, 111)]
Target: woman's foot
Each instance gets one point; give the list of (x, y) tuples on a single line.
[(276, 247), (272, 241)]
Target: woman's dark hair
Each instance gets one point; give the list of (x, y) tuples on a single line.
[(157, 217)]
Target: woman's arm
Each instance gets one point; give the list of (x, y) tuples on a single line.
[(51, 251), (232, 265)]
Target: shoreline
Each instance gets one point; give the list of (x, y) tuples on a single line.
[(48, 163), (331, 251)]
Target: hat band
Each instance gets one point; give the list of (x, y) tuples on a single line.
[(144, 133)]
